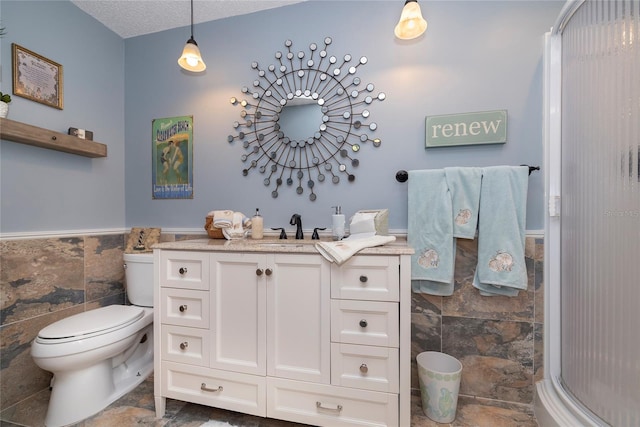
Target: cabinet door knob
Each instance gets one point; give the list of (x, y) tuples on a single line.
[(204, 387), (182, 271), (259, 272), (268, 272), (363, 368), (363, 323), (184, 345), (364, 279), (183, 308)]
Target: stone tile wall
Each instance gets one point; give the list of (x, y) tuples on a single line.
[(44, 280), (497, 339)]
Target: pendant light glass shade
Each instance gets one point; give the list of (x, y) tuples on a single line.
[(411, 24), (191, 60)]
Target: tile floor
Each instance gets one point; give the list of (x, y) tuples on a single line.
[(137, 409)]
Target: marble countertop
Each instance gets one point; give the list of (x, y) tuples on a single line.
[(270, 245)]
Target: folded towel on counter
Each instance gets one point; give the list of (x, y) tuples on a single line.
[(501, 266), (464, 186), (238, 224), (222, 218), (430, 233), (342, 250)]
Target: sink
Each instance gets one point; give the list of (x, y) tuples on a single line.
[(285, 243)]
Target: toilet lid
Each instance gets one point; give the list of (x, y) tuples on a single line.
[(92, 321)]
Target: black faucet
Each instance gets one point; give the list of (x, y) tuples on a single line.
[(296, 220), (283, 234), (315, 235)]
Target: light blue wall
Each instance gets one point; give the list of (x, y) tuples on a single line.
[(46, 190), (475, 56)]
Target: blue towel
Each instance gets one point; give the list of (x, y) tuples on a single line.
[(501, 266), (430, 233), (464, 186)]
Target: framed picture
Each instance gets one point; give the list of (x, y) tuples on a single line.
[(36, 77), (172, 155)]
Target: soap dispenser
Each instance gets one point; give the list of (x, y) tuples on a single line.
[(337, 221), (257, 226)]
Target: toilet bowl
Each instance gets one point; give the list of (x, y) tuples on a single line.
[(99, 355)]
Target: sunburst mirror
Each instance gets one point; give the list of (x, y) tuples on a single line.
[(305, 120)]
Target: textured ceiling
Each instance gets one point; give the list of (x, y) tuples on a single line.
[(130, 18)]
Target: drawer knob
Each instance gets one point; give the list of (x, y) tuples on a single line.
[(183, 308), (259, 272), (363, 368), (363, 323), (182, 271), (336, 408), (184, 345), (268, 272), (204, 387), (363, 279)]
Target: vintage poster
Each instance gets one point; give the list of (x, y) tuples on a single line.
[(173, 158)]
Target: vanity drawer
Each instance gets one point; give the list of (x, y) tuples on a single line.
[(366, 277), (366, 367), (365, 322), (212, 387), (184, 307), (185, 345), (325, 405), (185, 270)]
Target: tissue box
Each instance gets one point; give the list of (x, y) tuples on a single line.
[(381, 220)]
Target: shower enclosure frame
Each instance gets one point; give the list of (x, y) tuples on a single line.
[(554, 405)]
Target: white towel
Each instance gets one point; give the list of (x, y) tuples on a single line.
[(238, 224), (342, 250), (222, 218)]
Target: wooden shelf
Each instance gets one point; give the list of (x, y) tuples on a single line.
[(23, 133)]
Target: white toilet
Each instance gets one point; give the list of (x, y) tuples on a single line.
[(99, 355)]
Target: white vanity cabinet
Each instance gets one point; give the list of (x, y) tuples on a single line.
[(284, 335), (258, 315)]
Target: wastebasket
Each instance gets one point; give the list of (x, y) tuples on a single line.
[(439, 376)]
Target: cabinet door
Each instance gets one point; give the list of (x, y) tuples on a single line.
[(238, 312), (298, 318)]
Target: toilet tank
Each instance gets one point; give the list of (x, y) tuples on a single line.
[(138, 269)]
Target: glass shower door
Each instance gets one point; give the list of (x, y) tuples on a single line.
[(600, 214)]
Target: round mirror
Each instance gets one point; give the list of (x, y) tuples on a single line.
[(305, 122)]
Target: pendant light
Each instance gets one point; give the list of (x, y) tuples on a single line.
[(411, 24), (191, 60)]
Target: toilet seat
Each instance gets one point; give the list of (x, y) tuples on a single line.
[(90, 324)]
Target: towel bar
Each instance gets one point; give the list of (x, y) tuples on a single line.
[(403, 175)]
